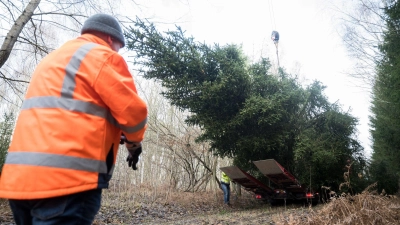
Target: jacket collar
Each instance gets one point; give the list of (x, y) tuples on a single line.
[(94, 39)]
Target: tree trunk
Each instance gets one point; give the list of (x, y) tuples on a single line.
[(15, 30), (238, 189), (215, 186)]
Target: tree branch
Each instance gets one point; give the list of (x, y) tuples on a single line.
[(16, 29)]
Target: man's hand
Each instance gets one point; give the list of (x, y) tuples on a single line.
[(134, 149)]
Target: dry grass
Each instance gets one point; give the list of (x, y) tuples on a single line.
[(365, 208), (144, 204)]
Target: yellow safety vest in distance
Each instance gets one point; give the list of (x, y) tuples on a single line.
[(225, 178)]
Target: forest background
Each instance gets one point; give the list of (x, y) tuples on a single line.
[(213, 104)]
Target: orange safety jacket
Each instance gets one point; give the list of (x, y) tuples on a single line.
[(81, 97)]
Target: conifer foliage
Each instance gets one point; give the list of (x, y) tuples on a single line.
[(6, 129), (385, 119), (245, 111)]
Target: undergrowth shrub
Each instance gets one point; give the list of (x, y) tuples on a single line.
[(368, 207), (6, 128)]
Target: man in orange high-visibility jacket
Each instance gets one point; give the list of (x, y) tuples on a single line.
[(81, 99)]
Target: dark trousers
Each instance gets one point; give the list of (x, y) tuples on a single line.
[(79, 208), (227, 191)]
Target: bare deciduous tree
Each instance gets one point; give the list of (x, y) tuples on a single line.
[(362, 28), (31, 29), (171, 158), (16, 30)]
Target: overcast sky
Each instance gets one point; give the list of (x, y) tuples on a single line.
[(310, 43)]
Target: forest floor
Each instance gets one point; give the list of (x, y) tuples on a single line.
[(200, 209), (206, 208), (182, 208)]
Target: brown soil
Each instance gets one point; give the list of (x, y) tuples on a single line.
[(206, 208), (179, 208)]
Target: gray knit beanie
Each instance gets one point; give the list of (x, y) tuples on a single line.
[(105, 24)]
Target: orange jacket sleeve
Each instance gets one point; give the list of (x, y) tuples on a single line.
[(117, 89)]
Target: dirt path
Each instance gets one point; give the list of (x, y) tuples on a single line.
[(254, 216), (262, 215), (176, 214)]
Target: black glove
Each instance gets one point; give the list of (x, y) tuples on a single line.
[(123, 139), (134, 149)]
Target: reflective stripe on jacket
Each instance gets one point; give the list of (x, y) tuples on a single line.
[(81, 97), (224, 178)]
